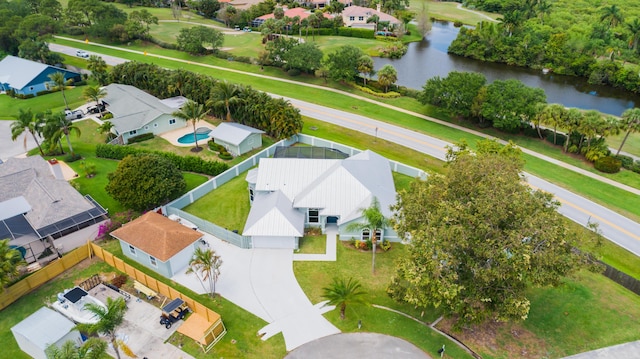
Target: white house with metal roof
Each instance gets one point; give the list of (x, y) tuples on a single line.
[(136, 112), (43, 328), (237, 138), (26, 77), (292, 193)]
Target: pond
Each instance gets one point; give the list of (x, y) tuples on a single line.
[(429, 58)]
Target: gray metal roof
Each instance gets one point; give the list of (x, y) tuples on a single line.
[(133, 108), (233, 133), (272, 215), (18, 72), (51, 199), (44, 327)]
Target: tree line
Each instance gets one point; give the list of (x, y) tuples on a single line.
[(276, 116), (571, 38), (513, 107)]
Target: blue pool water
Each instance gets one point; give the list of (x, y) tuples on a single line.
[(188, 138)]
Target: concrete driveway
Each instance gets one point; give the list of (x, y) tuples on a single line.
[(262, 282), (9, 148)]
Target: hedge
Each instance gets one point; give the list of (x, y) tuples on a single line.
[(142, 137), (607, 164), (560, 138), (390, 94), (355, 32), (627, 162), (184, 163)]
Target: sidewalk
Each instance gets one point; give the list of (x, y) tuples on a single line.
[(629, 350)]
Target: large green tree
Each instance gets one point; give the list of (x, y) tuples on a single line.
[(10, 259), (206, 264), (99, 70), (192, 112), (144, 181), (306, 57), (194, 39), (509, 104), (343, 292), (109, 320), (455, 92), (224, 95), (479, 238), (343, 63)]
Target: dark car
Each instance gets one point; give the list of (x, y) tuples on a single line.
[(96, 109)]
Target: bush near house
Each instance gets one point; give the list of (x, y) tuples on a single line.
[(142, 137)]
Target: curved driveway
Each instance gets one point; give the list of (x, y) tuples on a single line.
[(613, 226)]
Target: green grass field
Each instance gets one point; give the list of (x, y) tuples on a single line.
[(10, 107), (449, 11)]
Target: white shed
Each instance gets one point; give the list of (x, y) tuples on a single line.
[(43, 328)]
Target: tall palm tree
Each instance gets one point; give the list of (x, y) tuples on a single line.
[(64, 127), (93, 348), (225, 94), (571, 123), (374, 220), (27, 122), (10, 259), (387, 76), (192, 112), (342, 292), (611, 15), (365, 67), (630, 123), (553, 115), (206, 263), (94, 93), (374, 19), (109, 320), (59, 81), (106, 127), (634, 28)]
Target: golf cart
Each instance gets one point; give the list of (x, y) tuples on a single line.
[(173, 312)]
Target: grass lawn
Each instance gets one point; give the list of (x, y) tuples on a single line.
[(228, 206), (241, 325), (313, 244), (10, 107), (448, 11)]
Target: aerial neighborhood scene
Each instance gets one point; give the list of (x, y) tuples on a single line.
[(320, 179)]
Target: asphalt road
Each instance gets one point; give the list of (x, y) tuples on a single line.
[(613, 226)]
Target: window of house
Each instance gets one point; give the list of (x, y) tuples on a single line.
[(314, 215), (360, 18), (172, 121), (155, 125), (133, 132), (31, 88), (153, 261), (132, 250), (352, 18), (146, 127), (378, 234), (366, 234)]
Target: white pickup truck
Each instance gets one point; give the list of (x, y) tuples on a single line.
[(73, 115)]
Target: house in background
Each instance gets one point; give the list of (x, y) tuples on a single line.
[(43, 328), (290, 13), (136, 112), (320, 4), (238, 139), (36, 202), (357, 16), (157, 242), (26, 77), (292, 193)]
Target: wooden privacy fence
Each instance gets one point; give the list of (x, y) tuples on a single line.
[(152, 283), (42, 276)]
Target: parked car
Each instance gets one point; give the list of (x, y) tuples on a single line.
[(96, 109), (246, 29), (83, 54), (73, 115), (237, 28)]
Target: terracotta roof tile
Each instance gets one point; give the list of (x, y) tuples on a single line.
[(157, 235)]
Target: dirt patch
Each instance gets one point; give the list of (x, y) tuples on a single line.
[(499, 340)]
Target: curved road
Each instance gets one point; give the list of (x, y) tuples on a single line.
[(615, 227)]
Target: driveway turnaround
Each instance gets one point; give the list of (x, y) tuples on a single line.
[(358, 345), (262, 282)]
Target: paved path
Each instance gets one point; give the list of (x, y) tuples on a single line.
[(358, 345), (489, 18), (262, 282), (331, 232), (623, 351)]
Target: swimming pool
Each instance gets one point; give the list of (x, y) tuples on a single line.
[(188, 138)]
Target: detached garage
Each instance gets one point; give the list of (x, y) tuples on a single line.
[(43, 328), (273, 222)]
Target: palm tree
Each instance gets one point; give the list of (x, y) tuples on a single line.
[(365, 67), (93, 348), (374, 221), (192, 112), (10, 259), (59, 81), (95, 93), (387, 76), (106, 127), (611, 15), (206, 263), (109, 320), (553, 115), (27, 122), (634, 28), (630, 123), (374, 19), (225, 94), (64, 127), (571, 123), (341, 292)]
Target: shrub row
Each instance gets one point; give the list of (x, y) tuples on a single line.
[(607, 164), (390, 94), (142, 137), (627, 162), (229, 56), (355, 32), (184, 163)]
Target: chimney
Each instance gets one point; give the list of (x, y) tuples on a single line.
[(56, 169), (378, 7)]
